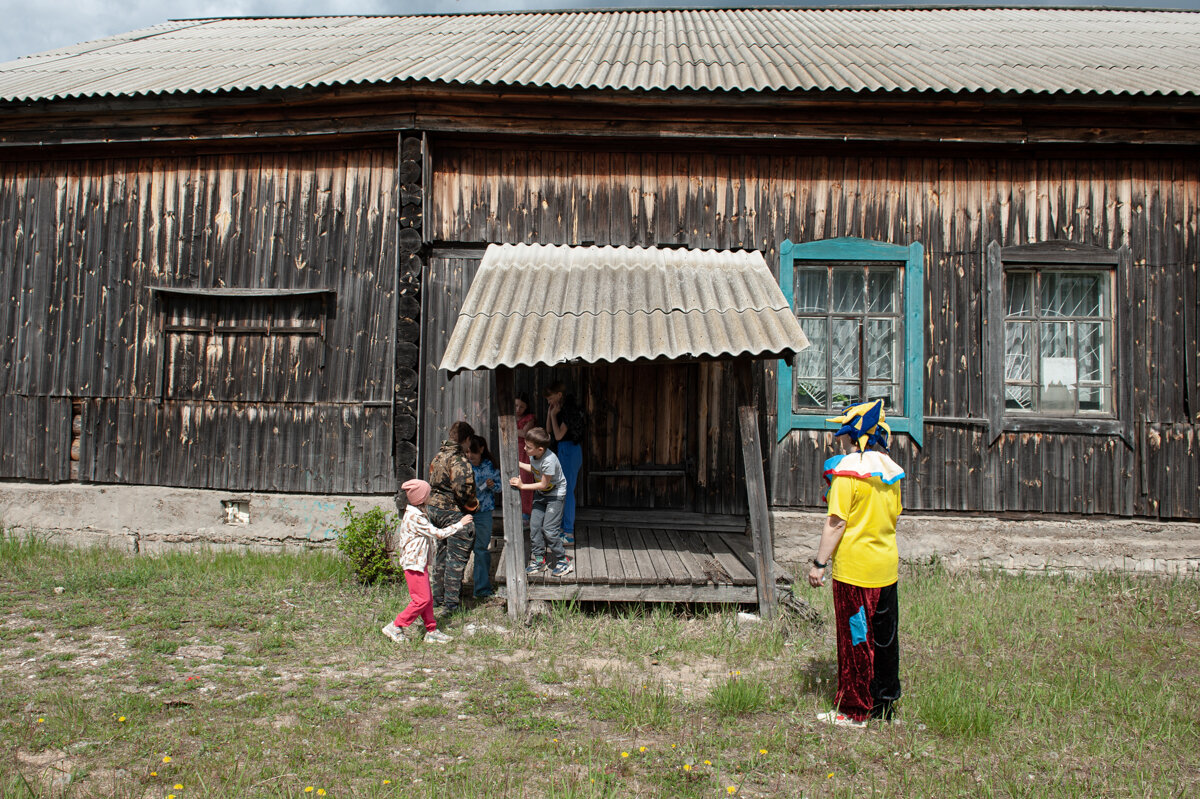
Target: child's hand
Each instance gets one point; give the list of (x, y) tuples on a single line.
[(467, 519), (489, 483), (515, 482)]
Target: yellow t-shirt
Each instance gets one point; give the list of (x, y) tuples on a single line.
[(867, 554)]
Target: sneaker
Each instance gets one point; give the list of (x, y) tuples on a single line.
[(840, 720), (568, 539), (536, 565), (438, 637), (392, 631), (563, 568)]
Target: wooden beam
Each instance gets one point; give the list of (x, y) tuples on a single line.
[(756, 488), (516, 585)]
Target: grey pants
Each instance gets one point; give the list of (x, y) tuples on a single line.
[(545, 530), (451, 559)]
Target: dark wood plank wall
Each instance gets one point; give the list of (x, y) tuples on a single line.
[(954, 206), (83, 242)]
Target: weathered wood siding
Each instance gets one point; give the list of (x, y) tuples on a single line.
[(83, 242), (955, 206)]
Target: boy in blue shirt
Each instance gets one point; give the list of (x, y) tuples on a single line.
[(549, 495)]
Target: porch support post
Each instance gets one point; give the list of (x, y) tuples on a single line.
[(516, 587), (756, 487)]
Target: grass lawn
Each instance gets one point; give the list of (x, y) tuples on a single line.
[(266, 675)]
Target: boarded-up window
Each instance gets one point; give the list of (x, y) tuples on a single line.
[(252, 347)]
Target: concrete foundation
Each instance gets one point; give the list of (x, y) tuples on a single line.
[(150, 520), (1048, 544)]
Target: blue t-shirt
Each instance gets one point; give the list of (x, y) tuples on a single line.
[(549, 466), (486, 470)]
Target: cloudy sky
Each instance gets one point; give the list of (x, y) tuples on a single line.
[(31, 26)]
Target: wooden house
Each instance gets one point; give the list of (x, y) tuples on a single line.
[(233, 251)]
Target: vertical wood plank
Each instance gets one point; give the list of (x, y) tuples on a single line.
[(516, 585)]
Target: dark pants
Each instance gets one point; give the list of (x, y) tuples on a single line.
[(570, 455), (868, 649), (451, 559), (483, 559)]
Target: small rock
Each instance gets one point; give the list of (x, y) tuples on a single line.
[(748, 618), (462, 716), (58, 589)]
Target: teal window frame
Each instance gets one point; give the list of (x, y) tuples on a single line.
[(912, 423)]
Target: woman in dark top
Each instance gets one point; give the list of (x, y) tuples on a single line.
[(566, 422)]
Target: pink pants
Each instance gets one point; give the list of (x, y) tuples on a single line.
[(420, 601)]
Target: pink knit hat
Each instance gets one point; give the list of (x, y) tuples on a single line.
[(417, 491)]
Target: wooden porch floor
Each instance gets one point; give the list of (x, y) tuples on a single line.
[(654, 556)]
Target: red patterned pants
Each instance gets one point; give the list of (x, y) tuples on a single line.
[(868, 650)]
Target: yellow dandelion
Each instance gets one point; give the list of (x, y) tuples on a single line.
[(387, 782), (320, 791), (624, 754), (170, 796), (708, 762), (641, 749), (167, 759), (762, 751), (687, 766), (41, 721), (829, 776), (309, 789), (121, 719), (736, 674), (731, 790), (555, 740), (178, 786), (672, 746), (153, 773)]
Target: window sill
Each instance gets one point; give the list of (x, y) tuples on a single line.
[(1055, 424)]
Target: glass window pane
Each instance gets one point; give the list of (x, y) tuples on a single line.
[(811, 291), (1094, 398), (1092, 347), (848, 289), (1018, 398), (1074, 294), (1018, 352), (811, 362), (1018, 294), (845, 395), (883, 288), (810, 368), (882, 349), (1056, 340), (892, 395), (845, 348)]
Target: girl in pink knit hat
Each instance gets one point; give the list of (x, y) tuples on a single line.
[(416, 544)]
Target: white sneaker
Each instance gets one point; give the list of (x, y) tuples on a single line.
[(840, 720), (392, 631), (438, 637)]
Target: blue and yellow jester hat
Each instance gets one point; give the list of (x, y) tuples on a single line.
[(864, 422)]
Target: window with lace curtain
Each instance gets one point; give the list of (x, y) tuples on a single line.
[(861, 304)]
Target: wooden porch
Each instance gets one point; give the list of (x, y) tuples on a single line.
[(654, 556)]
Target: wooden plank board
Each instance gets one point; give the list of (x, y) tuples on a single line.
[(729, 561), (718, 594), (584, 553), (655, 557), (677, 572), (686, 547), (614, 572), (629, 557)]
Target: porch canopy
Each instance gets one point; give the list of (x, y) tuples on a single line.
[(546, 305)]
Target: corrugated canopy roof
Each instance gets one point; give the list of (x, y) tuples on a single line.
[(1093, 51), (542, 304)]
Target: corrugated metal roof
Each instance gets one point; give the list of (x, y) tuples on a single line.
[(543, 304), (1094, 51)]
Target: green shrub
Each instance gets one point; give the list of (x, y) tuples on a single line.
[(363, 540)]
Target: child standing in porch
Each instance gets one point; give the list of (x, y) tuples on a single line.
[(487, 486), (417, 539), (549, 492)]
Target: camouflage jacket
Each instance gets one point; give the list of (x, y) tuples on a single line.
[(452, 480)]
